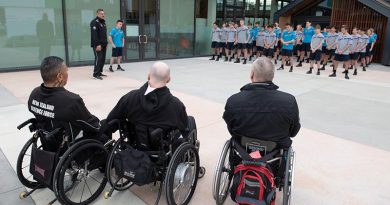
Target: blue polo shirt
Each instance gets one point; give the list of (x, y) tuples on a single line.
[(254, 32), (372, 38), (288, 36), (117, 37), (308, 34)]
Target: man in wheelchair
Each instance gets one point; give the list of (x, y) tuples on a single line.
[(53, 106), (260, 111), (150, 107)]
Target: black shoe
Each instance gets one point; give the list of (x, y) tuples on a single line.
[(288, 63), (250, 58), (333, 75), (299, 64), (110, 68), (226, 58), (355, 72), (230, 59), (237, 60), (217, 58), (346, 76), (318, 72), (323, 67), (307, 61), (120, 68), (97, 77), (244, 61), (291, 69), (364, 69), (213, 58), (276, 62), (102, 75), (280, 68), (310, 71)]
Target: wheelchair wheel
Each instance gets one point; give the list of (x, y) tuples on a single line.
[(221, 181), (78, 178), (117, 184), (182, 175), (288, 177), (23, 165)]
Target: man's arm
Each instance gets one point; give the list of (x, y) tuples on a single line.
[(94, 34), (295, 125), (111, 42), (83, 118)]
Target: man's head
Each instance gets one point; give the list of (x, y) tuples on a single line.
[(54, 72), (257, 24), (354, 30), (308, 24), (263, 70), (250, 25), (215, 25), (231, 24), (288, 27), (318, 29), (100, 13), (299, 27), (223, 24), (276, 24), (119, 24), (362, 31), (159, 75), (242, 22), (372, 30), (270, 28), (333, 29), (344, 29), (369, 32)]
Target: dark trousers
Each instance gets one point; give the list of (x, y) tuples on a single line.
[(100, 58)]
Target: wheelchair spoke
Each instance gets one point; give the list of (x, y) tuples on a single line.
[(95, 179), (85, 180), (82, 193)]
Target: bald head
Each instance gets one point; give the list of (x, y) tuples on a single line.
[(159, 75), (263, 70)]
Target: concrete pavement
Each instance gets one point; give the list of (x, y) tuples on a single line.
[(342, 150)]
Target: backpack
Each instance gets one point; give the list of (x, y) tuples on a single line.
[(253, 181)]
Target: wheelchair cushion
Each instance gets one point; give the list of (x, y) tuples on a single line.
[(135, 166)]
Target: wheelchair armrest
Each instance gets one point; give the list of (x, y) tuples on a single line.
[(29, 121)]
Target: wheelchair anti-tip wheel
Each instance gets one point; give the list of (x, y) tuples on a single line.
[(23, 165), (78, 176), (182, 175), (118, 184), (288, 177), (222, 179)]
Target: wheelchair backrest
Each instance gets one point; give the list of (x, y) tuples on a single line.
[(251, 145)]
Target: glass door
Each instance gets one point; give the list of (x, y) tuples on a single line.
[(141, 29)]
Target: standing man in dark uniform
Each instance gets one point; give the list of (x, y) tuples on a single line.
[(99, 43)]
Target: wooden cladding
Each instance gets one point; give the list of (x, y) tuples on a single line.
[(353, 13)]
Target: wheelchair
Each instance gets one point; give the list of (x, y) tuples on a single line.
[(72, 168), (176, 161), (282, 164)]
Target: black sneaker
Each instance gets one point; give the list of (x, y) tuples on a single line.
[(110, 68), (307, 60), (354, 72), (120, 68), (276, 61), (97, 77), (281, 68), (291, 69), (323, 67), (332, 75), (213, 58), (299, 64), (250, 58), (244, 61), (318, 72), (237, 60), (230, 59), (364, 69), (217, 58), (346, 76), (226, 59), (102, 75), (288, 63), (310, 71)]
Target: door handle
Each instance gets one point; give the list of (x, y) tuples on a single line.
[(146, 39), (139, 39)]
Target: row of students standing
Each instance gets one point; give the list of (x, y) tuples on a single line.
[(320, 46)]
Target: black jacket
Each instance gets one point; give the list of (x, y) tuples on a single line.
[(261, 111), (98, 32), (54, 107), (157, 109)]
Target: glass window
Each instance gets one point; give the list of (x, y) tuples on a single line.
[(30, 30), (79, 14), (176, 28)]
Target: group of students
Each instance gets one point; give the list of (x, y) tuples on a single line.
[(319, 45)]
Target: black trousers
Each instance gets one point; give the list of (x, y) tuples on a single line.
[(100, 59)]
